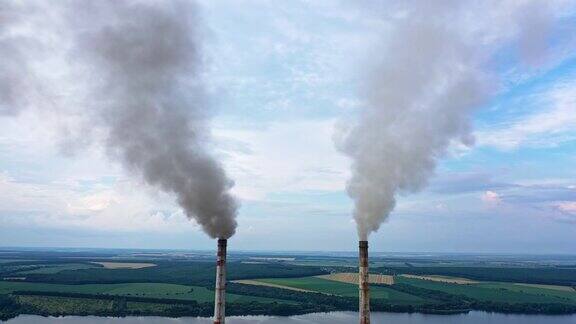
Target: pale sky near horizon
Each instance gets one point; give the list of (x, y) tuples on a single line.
[(282, 75)]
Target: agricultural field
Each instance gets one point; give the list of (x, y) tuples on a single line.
[(352, 278), (343, 289), (147, 290), (553, 287), (268, 284), (124, 265), (531, 274), (495, 292), (546, 290), (454, 280)]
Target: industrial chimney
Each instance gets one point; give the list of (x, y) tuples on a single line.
[(220, 291), (363, 282)]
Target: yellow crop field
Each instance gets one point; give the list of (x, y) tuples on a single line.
[(125, 265), (350, 277)]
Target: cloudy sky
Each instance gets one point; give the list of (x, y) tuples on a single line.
[(282, 75)]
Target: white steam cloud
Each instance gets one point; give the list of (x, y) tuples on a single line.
[(137, 69), (423, 86)]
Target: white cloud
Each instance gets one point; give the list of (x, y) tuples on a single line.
[(283, 157), (349, 103), (553, 123), (491, 198), (40, 187), (567, 207), (122, 206), (441, 206)]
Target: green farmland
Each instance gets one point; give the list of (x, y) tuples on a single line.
[(569, 294), (495, 292), (344, 289), (147, 290)]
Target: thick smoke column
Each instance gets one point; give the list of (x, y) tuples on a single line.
[(421, 92), (141, 89), (147, 57)]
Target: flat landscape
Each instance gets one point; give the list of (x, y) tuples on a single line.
[(175, 284), (352, 278)]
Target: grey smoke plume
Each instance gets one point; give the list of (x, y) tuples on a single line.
[(139, 70), (421, 91)]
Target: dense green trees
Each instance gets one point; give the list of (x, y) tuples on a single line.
[(9, 308), (187, 273), (542, 275)]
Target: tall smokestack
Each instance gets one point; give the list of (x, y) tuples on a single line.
[(220, 291), (363, 284)]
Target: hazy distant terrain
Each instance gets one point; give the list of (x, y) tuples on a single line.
[(180, 283)]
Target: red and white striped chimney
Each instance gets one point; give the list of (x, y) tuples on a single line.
[(220, 291), (363, 284)]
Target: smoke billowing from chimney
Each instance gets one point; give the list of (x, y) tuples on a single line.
[(422, 89), (138, 74)]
